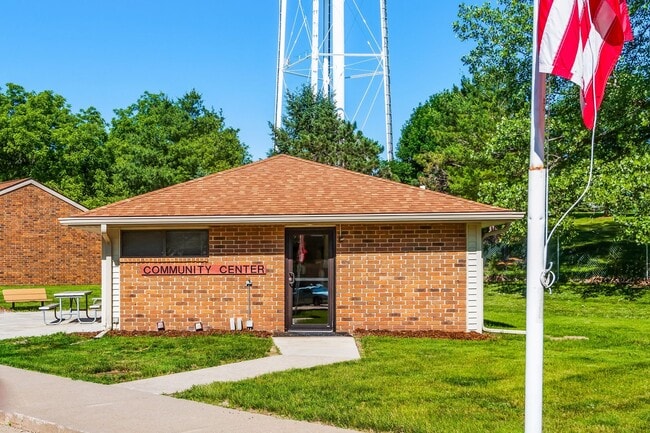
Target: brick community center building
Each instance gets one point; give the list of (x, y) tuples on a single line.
[(288, 245), (34, 248)]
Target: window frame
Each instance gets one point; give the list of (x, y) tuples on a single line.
[(164, 234)]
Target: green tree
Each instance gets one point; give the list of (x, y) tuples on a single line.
[(42, 139), (312, 129), (501, 57), (442, 144), (158, 142), (477, 137), (624, 185)]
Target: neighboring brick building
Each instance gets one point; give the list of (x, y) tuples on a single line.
[(34, 248), (324, 249)]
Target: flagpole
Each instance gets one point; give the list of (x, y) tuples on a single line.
[(537, 223)]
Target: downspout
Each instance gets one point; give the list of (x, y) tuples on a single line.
[(497, 232), (107, 278)]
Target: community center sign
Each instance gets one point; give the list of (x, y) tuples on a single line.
[(202, 269)]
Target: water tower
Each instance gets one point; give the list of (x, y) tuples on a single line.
[(339, 47)]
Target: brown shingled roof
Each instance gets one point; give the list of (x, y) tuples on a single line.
[(285, 185)]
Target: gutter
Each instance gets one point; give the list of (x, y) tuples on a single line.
[(104, 231), (486, 218)]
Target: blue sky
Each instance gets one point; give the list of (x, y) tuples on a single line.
[(106, 54)]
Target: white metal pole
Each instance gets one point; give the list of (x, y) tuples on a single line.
[(535, 249), (315, 12), (327, 46), (385, 67), (279, 83), (338, 55), (557, 276)]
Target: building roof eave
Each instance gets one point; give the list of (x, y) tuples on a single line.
[(485, 218), (25, 182)]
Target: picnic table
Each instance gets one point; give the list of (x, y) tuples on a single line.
[(74, 309)]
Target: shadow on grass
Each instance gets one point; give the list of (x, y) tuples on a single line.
[(629, 292), (510, 287), (20, 308), (495, 324), (626, 290)]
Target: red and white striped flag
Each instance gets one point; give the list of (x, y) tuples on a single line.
[(581, 40)]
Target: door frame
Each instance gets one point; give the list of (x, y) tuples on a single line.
[(331, 277)]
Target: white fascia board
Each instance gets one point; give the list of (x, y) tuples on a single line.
[(486, 218), (46, 189)]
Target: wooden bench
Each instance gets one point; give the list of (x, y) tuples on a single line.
[(25, 295)]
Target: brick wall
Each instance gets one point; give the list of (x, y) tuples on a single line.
[(401, 277), (180, 301), (395, 277), (36, 250)]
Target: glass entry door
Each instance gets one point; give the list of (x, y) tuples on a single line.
[(309, 279)]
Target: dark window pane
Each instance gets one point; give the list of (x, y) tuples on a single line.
[(143, 243), (187, 243)]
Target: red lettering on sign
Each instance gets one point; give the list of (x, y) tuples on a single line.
[(192, 269)]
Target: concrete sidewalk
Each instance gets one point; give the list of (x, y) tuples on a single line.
[(44, 403), (30, 324), (295, 352)]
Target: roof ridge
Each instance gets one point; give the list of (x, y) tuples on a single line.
[(283, 185), (389, 181)]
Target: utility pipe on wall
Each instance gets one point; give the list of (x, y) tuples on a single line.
[(249, 322)]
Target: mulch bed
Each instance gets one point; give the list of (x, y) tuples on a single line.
[(423, 334), (261, 334), (356, 333)]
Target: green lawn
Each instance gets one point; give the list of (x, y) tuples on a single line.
[(116, 358), (50, 290), (597, 384)]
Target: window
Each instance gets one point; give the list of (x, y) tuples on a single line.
[(186, 243), (165, 243)]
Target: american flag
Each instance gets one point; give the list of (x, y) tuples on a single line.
[(581, 40)]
